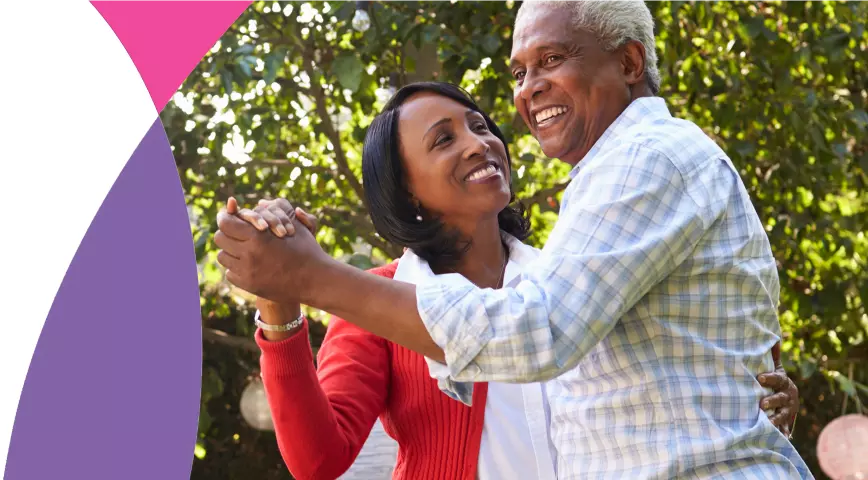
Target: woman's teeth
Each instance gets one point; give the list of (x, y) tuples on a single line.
[(485, 172), (549, 113)]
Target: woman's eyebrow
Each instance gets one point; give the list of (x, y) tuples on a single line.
[(436, 124)]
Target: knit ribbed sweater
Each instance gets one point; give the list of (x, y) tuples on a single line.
[(322, 416)]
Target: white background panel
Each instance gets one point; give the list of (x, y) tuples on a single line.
[(74, 110)]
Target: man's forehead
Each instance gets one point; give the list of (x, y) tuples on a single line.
[(543, 27)]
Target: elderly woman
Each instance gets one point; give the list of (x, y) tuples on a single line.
[(652, 307)]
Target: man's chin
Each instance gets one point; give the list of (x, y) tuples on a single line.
[(561, 150), (554, 149)]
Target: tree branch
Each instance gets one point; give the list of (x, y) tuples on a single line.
[(363, 227), (279, 162), (218, 336), (329, 130)]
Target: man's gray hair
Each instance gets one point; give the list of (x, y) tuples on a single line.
[(614, 23)]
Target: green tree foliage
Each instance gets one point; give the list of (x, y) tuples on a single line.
[(280, 105)]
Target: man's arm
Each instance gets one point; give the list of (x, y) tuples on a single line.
[(384, 307), (628, 223)]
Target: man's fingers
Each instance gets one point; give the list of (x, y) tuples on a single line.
[(235, 279), (232, 206), (235, 227), (227, 260), (777, 380), (227, 243), (307, 220)]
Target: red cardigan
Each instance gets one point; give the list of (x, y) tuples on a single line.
[(323, 416)]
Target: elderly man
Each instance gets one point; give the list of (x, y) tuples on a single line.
[(652, 306)]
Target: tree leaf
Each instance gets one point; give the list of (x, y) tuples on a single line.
[(846, 385), (348, 69), (807, 368), (490, 44), (226, 80)]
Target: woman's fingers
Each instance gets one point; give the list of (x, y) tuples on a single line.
[(274, 223), (282, 217), (281, 209), (776, 380), (782, 420), (776, 401), (280, 203)]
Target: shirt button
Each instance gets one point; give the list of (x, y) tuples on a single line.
[(473, 371)]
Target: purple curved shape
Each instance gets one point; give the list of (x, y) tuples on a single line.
[(113, 386)]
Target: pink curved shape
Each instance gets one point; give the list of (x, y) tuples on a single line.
[(166, 40)]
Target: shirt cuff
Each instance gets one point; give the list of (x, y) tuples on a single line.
[(463, 392), (456, 320), (287, 357)]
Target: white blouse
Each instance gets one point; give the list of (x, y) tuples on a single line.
[(515, 433)]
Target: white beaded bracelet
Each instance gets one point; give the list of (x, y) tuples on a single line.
[(278, 328)]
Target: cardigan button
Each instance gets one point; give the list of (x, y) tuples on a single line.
[(474, 370)]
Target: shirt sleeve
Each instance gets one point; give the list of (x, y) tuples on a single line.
[(627, 222)]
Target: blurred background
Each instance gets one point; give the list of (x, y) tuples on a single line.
[(280, 105)]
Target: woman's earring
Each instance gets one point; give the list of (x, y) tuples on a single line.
[(419, 218)]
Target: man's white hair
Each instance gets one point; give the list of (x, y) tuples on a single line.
[(614, 23)]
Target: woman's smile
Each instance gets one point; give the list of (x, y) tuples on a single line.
[(486, 172)]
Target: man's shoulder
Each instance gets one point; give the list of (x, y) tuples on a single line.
[(679, 141)]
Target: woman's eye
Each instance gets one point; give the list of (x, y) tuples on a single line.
[(480, 127), (442, 139)]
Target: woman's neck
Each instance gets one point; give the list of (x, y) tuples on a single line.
[(484, 262)]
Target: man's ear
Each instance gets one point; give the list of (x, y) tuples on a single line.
[(633, 62)]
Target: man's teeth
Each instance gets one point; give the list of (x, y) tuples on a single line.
[(549, 113), (489, 170)]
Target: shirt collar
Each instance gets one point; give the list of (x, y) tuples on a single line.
[(412, 269), (639, 110)]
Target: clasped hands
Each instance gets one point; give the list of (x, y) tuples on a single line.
[(269, 251)]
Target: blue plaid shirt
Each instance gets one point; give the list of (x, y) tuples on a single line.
[(652, 308)]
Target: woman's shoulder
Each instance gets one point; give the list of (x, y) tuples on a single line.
[(387, 270)]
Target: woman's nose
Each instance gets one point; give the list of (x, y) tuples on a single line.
[(475, 145)]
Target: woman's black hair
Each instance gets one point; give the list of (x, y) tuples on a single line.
[(389, 201)]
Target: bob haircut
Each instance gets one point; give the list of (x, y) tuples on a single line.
[(391, 205)]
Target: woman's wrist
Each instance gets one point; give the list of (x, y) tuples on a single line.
[(273, 313)]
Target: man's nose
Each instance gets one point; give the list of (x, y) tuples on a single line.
[(533, 85)]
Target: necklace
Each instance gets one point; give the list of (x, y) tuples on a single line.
[(499, 283)]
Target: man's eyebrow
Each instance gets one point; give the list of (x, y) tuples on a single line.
[(546, 46)]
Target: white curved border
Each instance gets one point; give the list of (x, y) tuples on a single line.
[(75, 109)]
